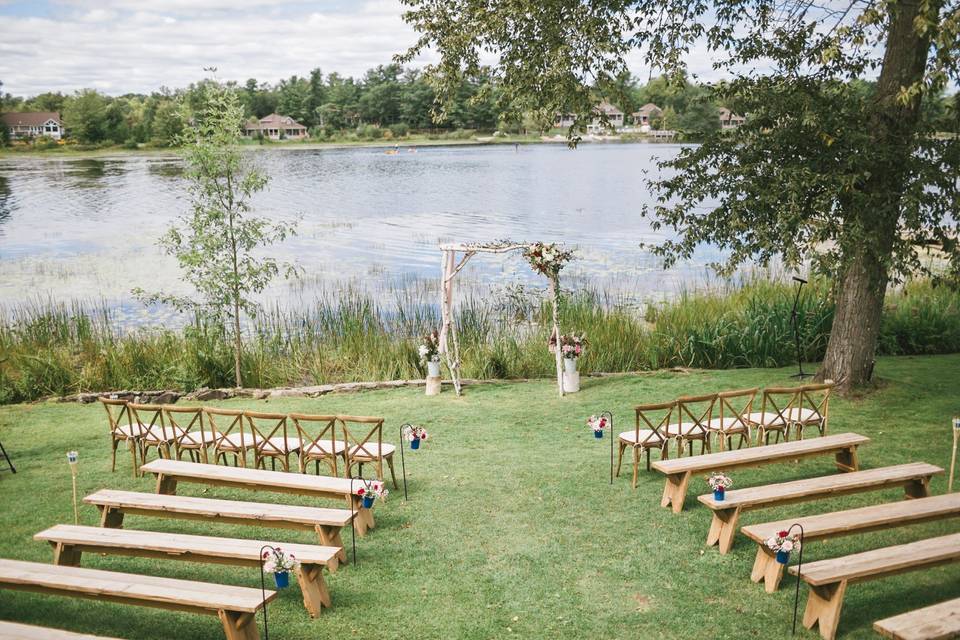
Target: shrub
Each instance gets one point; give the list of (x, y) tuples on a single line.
[(399, 130)]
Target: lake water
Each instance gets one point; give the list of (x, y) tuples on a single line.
[(87, 228)]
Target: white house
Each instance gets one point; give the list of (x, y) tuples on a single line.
[(33, 124), (614, 117), (275, 126), (729, 119)]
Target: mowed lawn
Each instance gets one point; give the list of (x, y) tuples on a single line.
[(512, 529)]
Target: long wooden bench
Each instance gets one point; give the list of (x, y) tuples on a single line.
[(325, 522), (914, 477), (16, 631), (236, 607), (937, 622), (70, 541), (843, 446), (842, 523), (170, 472), (828, 579)]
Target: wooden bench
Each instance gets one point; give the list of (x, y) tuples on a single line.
[(842, 523), (325, 522), (15, 631), (170, 472), (914, 477), (679, 470), (235, 606), (937, 622), (69, 542), (828, 579)]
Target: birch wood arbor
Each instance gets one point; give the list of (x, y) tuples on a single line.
[(546, 259)]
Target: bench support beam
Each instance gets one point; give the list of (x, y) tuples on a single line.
[(330, 537), (66, 555), (723, 528), (823, 608), (919, 488), (239, 626), (767, 569), (313, 587), (166, 485), (675, 490), (847, 460), (111, 518)]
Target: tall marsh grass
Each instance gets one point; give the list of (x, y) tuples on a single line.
[(56, 349)]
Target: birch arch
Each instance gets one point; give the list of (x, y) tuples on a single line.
[(546, 259)]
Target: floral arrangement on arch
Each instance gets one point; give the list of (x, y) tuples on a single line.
[(597, 424), (373, 489), (547, 258), (276, 561), (429, 349), (414, 432), (784, 542), (719, 482), (571, 345)]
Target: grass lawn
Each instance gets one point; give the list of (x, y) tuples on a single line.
[(512, 529)]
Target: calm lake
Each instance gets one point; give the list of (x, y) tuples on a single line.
[(87, 228)]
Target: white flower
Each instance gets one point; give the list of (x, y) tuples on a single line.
[(787, 546), (424, 350)]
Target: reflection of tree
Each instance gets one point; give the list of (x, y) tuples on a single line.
[(6, 200)]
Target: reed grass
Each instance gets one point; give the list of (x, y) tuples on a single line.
[(49, 349)]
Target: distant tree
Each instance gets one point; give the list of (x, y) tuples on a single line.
[(380, 99), (700, 119), (218, 244), (84, 116), (293, 99), (318, 95), (48, 101), (167, 123), (416, 100)]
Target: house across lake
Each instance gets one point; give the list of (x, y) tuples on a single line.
[(275, 127), (33, 124)]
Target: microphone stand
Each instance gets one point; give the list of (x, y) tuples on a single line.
[(796, 329)]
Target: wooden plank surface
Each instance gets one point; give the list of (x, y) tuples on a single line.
[(754, 456), (822, 486), (884, 561), (298, 482), (16, 631), (177, 544), (184, 595), (227, 509), (879, 516), (937, 622)]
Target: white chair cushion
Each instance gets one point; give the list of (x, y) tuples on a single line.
[(725, 424), (130, 430), (371, 449), (197, 438), (324, 447), (646, 436), (279, 444), (802, 414), (767, 419), (684, 429), (233, 440), (157, 434)]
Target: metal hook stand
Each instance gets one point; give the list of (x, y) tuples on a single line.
[(403, 464), (3, 452), (263, 591), (609, 415), (796, 594), (353, 516)]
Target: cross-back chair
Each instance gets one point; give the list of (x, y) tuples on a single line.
[(122, 429), (693, 422), (734, 408), (811, 408), (156, 433), (230, 435), (188, 425), (774, 413), (363, 437), (649, 432), (272, 438), (318, 441)]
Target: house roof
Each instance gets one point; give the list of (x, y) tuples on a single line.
[(726, 114), (609, 109), (29, 118), (274, 120), (648, 109)]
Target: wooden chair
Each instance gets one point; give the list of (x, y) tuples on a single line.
[(193, 438), (272, 439), (734, 418), (156, 433), (230, 435), (811, 408), (369, 448), (649, 432), (773, 414), (324, 447), (693, 422), (122, 429)]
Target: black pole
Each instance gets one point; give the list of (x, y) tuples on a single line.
[(403, 464), (796, 328), (353, 517), (7, 458), (263, 592), (610, 415), (796, 594)]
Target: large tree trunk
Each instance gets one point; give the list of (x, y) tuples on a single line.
[(859, 305)]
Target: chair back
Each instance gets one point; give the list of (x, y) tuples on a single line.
[(266, 426), (227, 422), (363, 436), (184, 421), (779, 401), (654, 418), (736, 406), (816, 398), (696, 411), (323, 445), (117, 410), (151, 420)]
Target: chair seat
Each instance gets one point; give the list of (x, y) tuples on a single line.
[(129, 430), (804, 415), (731, 424), (197, 438), (371, 450), (767, 419), (685, 429), (279, 445), (324, 448), (232, 441), (645, 436), (157, 435)]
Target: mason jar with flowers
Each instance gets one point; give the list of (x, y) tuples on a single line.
[(719, 483), (598, 425), (429, 351), (415, 435), (372, 490), (783, 544), (280, 564)]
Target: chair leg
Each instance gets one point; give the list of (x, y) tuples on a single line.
[(133, 452), (648, 458), (113, 459), (636, 466), (392, 474)]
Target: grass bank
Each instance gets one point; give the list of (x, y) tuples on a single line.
[(61, 349), (512, 530)]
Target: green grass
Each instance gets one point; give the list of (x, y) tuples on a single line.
[(511, 529)]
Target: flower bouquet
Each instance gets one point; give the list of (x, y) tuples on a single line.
[(429, 351), (598, 425), (372, 490), (280, 564), (719, 483), (414, 435), (782, 544), (547, 259)]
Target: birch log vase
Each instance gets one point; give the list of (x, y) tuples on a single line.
[(555, 294)]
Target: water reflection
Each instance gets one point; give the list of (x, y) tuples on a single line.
[(7, 203)]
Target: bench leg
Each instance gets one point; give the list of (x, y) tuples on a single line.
[(111, 518), (919, 488), (239, 626), (330, 537), (675, 491), (823, 607), (847, 460), (166, 485), (66, 555), (314, 588), (767, 569), (363, 520), (723, 528)]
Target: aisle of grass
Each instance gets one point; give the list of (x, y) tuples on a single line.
[(512, 529)]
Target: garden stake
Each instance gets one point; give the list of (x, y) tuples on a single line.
[(3, 452), (353, 516), (953, 459), (72, 460), (263, 592), (610, 416), (403, 464), (796, 594)]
